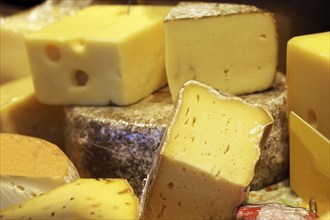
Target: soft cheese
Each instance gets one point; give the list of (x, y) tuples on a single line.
[(31, 166), (102, 55), (207, 158), (228, 46)]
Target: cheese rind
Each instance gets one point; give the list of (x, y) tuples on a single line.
[(212, 143)]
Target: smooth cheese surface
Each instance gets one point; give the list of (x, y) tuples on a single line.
[(309, 163), (100, 56), (207, 158), (82, 199), (231, 47), (308, 74)]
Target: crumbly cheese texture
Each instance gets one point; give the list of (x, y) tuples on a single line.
[(82, 199), (103, 55), (22, 113), (308, 74), (30, 166), (309, 163), (231, 47), (207, 158)]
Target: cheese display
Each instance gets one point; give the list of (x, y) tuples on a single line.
[(309, 163), (22, 113), (14, 28), (82, 199), (231, 47), (100, 56), (208, 153), (121, 142), (308, 74), (31, 166)]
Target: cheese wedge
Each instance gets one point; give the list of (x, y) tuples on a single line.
[(31, 166), (231, 47), (207, 158), (83, 199)]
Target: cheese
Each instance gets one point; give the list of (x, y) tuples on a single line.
[(31, 166), (207, 158), (22, 113), (82, 199), (309, 163), (102, 55), (308, 74), (121, 142), (14, 28), (231, 47)]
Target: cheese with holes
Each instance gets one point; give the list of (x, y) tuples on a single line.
[(309, 163), (207, 158), (31, 166), (308, 72), (102, 55), (22, 113), (231, 47), (82, 199), (14, 28)]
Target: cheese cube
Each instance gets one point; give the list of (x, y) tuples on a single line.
[(309, 163), (102, 55), (308, 77), (207, 158), (231, 47), (31, 166)]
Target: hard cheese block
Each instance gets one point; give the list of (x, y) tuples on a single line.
[(22, 113), (308, 74), (207, 158), (309, 163), (102, 55), (14, 28), (228, 46), (31, 166), (130, 137), (82, 199)]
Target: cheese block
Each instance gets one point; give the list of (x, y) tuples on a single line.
[(207, 157), (14, 28), (100, 56), (82, 199), (31, 166), (22, 113), (308, 74), (309, 163), (228, 46), (121, 142)]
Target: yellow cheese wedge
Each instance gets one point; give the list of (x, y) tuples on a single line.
[(308, 77), (231, 47), (309, 163), (31, 166), (83, 199), (102, 55), (22, 113), (207, 158)]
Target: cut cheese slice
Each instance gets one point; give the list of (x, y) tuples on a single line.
[(207, 158), (31, 166), (83, 199)]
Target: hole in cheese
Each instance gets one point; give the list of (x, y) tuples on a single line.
[(78, 44), (52, 52), (81, 78), (311, 118)]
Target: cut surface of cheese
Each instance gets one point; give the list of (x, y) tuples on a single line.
[(100, 56), (308, 73), (207, 158), (82, 199), (22, 113), (231, 47), (309, 163), (30, 166)]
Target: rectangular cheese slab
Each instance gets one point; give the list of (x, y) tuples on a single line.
[(102, 55), (308, 73), (309, 163)]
